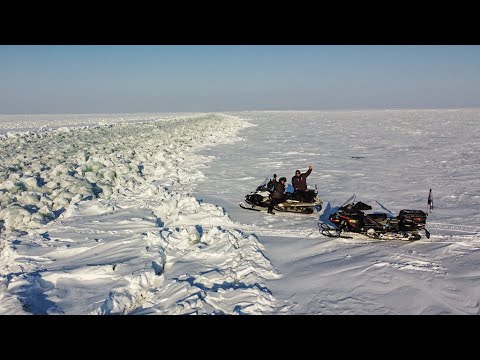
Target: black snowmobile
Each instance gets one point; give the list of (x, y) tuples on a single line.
[(351, 217), (302, 203)]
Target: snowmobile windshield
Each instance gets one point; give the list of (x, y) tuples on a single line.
[(263, 185), (350, 200)]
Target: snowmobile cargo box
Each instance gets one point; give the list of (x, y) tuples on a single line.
[(417, 216)]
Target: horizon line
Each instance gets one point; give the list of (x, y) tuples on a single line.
[(265, 110)]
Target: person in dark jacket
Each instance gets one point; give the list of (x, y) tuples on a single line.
[(278, 193), (299, 182)]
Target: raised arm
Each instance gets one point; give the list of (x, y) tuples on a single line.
[(309, 171)]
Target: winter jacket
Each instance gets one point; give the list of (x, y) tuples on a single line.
[(278, 189), (300, 182)]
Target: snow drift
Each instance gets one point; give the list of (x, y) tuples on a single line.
[(101, 220)]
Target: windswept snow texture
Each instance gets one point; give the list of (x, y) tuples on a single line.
[(101, 220), (393, 157), (17, 123), (139, 214)]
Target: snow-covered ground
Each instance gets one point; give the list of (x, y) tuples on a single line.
[(138, 213), (393, 157)]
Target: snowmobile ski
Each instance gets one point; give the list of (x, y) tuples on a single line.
[(326, 230), (242, 205)]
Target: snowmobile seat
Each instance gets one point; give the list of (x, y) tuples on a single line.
[(375, 219), (378, 216), (361, 206), (307, 196), (393, 225)]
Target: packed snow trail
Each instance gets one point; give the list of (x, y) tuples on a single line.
[(100, 220)]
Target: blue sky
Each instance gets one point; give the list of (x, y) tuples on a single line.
[(116, 79)]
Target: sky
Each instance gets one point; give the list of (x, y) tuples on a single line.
[(129, 79)]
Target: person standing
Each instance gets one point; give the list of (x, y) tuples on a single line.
[(277, 196)]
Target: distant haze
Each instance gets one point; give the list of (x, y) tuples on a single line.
[(123, 79)]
